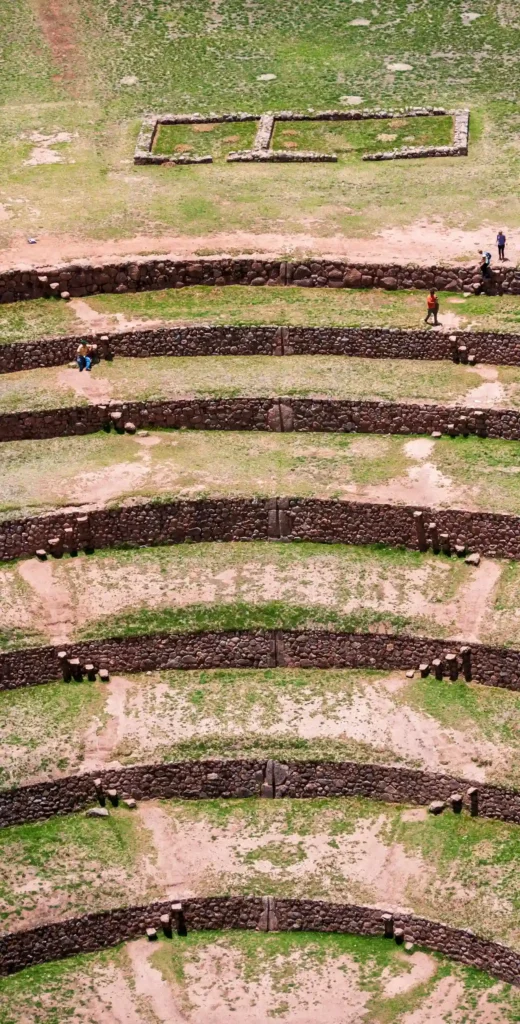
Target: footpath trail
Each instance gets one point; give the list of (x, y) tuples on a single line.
[(425, 241)]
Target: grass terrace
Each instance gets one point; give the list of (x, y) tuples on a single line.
[(109, 469), (289, 714), (281, 973), (257, 585), (236, 305), (340, 377), (455, 868)]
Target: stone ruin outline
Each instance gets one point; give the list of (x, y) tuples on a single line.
[(261, 151)]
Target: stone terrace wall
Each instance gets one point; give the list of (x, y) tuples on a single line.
[(319, 648), (203, 780), (230, 649), (343, 522), (203, 340), (99, 931), (272, 414), (145, 524), (188, 780), (242, 519), (192, 414), (144, 274)]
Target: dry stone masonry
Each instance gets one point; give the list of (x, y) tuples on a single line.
[(281, 415), (239, 779), (261, 151), (459, 147), (323, 521), (315, 649), (468, 347), (149, 273), (91, 932)]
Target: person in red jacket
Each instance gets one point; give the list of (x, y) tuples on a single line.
[(432, 303)]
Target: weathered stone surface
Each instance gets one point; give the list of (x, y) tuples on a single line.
[(243, 778), (99, 931), (370, 342)]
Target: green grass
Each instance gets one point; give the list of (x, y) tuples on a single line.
[(352, 139), (30, 321), (239, 615), (300, 376), (159, 588), (216, 140), (60, 990), (42, 729), (457, 869), (288, 714), (74, 864), (236, 305), (315, 307), (186, 56), (108, 470), (279, 965), (163, 377)]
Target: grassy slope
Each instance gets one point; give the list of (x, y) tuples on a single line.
[(462, 870), (29, 321), (244, 713), (53, 992), (230, 376), (39, 475), (73, 866), (318, 57), (232, 586), (315, 307)]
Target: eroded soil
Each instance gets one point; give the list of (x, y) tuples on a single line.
[(254, 977)]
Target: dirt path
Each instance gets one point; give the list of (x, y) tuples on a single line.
[(476, 601), (421, 243), (58, 617), (100, 739), (57, 20), (97, 390), (151, 986)]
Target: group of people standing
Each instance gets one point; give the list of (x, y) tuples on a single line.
[(432, 302)]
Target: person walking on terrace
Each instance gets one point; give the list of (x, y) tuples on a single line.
[(432, 303), (485, 263), (501, 243), (83, 356)]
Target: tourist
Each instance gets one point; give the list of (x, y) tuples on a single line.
[(485, 263), (501, 243), (83, 356), (432, 303)]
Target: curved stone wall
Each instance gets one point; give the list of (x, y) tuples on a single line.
[(205, 340), (282, 415), (146, 273), (208, 780), (100, 931), (326, 521), (318, 648)]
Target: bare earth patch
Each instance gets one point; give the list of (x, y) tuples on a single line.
[(145, 715), (191, 858), (423, 242), (94, 588)]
